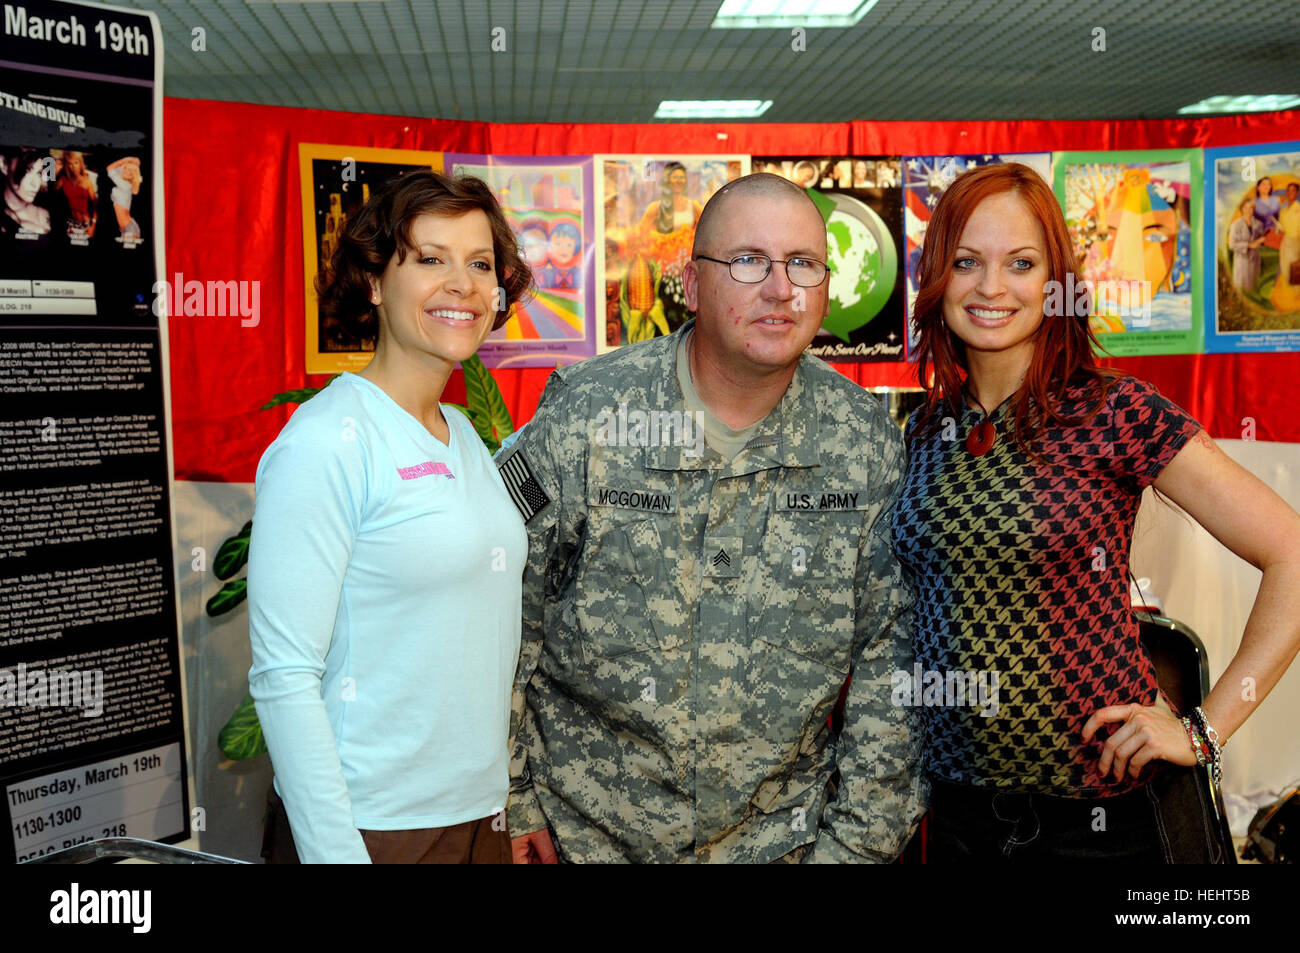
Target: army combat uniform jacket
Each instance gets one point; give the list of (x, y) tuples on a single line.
[(688, 623)]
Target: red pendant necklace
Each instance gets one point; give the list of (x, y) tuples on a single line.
[(982, 436)]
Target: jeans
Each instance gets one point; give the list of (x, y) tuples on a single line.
[(1164, 821)]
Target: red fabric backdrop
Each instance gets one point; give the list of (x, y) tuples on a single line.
[(233, 213)]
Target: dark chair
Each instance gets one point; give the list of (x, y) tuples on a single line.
[(1183, 674)]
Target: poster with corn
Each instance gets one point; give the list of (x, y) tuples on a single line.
[(861, 199), (647, 217)]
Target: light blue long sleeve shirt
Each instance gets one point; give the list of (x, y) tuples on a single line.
[(384, 613)]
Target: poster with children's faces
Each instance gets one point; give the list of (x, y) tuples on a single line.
[(861, 199), (646, 220), (1251, 278), (547, 201), (925, 179), (1135, 228)]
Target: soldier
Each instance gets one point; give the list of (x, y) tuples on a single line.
[(709, 563)]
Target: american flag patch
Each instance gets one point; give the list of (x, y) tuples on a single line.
[(529, 497)]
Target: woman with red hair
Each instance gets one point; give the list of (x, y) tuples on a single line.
[(1026, 465)]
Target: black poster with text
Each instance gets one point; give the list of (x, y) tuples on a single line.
[(91, 731)]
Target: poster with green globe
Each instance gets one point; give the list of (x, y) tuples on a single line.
[(861, 199)]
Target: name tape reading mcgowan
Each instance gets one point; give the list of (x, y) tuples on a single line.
[(650, 501)]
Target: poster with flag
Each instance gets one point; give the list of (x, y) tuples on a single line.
[(924, 180)]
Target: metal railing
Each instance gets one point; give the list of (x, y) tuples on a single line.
[(133, 848)]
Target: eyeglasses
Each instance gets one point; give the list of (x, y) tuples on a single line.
[(751, 269)]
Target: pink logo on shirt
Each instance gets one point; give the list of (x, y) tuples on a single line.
[(425, 469)]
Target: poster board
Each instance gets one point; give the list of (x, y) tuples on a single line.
[(646, 213), (862, 202), (92, 738)]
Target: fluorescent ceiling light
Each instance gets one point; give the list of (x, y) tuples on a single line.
[(1241, 104), (770, 14), (712, 108)]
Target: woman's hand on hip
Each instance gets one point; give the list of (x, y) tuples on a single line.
[(1145, 734)]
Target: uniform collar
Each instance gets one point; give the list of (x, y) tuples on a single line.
[(787, 437)]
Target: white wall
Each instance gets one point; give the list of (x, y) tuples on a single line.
[(216, 653), (1205, 586)]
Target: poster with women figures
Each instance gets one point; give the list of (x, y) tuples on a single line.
[(924, 180), (1135, 226), (1251, 278), (336, 182), (862, 202), (646, 220), (547, 201)]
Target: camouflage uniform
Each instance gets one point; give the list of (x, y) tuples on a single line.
[(688, 624)]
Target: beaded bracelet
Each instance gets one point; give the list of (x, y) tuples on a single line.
[(1198, 745), (1212, 737)]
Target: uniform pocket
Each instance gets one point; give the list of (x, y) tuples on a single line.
[(810, 610), (623, 602), (788, 786)]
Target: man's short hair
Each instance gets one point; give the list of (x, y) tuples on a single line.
[(758, 184)]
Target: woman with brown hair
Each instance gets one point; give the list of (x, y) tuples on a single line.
[(1026, 466), (386, 557)]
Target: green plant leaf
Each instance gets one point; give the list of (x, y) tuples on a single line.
[(476, 398), (487, 410), (241, 738), (230, 595), (299, 396), (233, 553)]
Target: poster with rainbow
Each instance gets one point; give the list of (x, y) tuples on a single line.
[(547, 200)]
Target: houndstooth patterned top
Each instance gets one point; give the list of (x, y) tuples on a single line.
[(1021, 575)]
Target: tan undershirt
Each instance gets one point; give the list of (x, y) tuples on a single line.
[(717, 436)]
